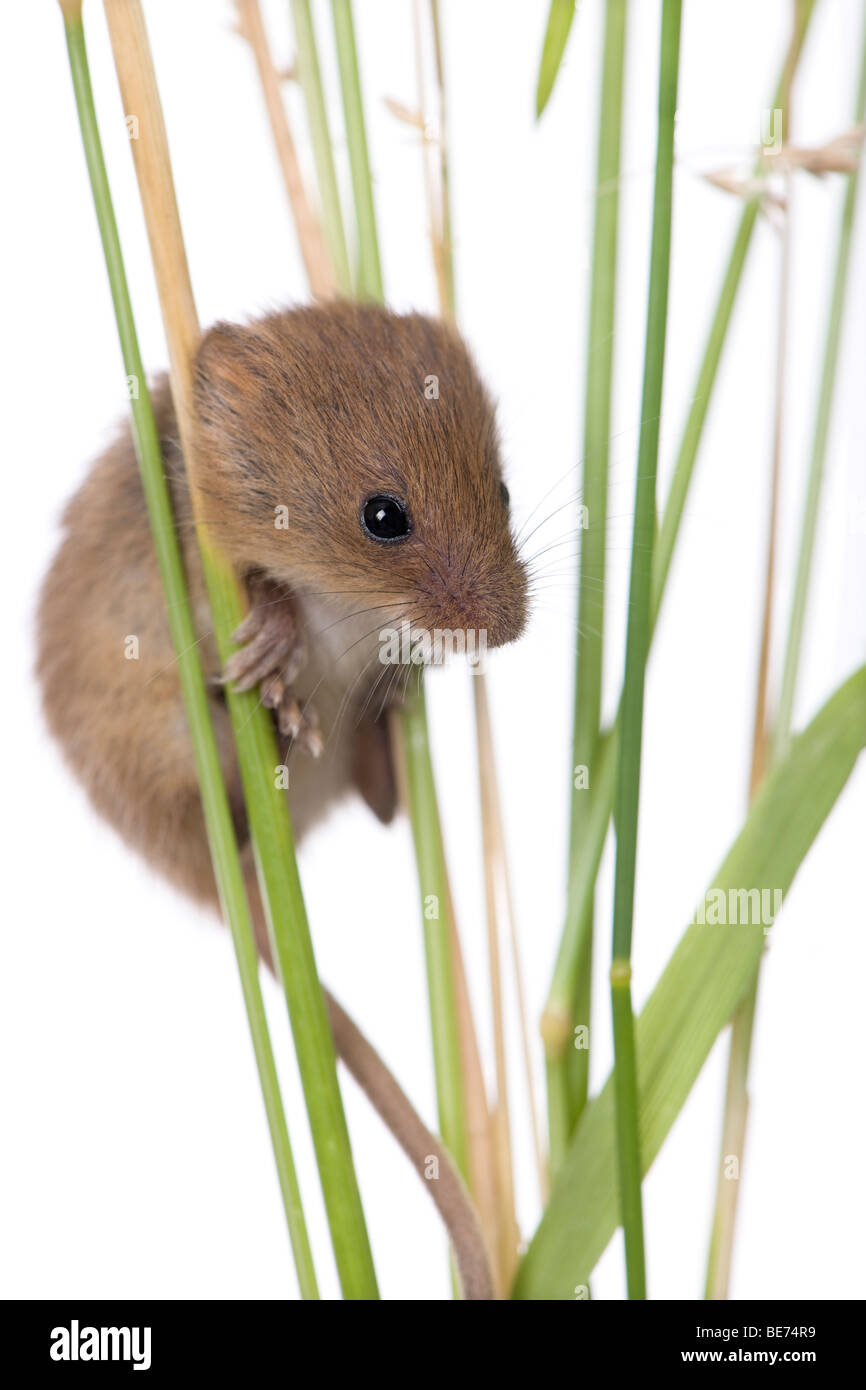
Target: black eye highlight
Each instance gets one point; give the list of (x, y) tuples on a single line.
[(385, 518), (505, 495)]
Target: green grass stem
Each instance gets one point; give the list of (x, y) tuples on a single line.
[(369, 277), (699, 990), (310, 76), (743, 1024), (563, 1088), (215, 802), (708, 370), (435, 909), (252, 724), (423, 807), (627, 795), (585, 856), (811, 508)]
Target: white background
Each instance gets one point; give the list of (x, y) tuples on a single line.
[(135, 1157)]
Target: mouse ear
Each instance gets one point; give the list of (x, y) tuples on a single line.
[(222, 365), (233, 416)]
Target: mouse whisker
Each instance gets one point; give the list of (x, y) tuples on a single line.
[(334, 661), (356, 613), (620, 434), (543, 522), (387, 670), (392, 686), (346, 698), (383, 676)]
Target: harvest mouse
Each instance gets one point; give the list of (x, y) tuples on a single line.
[(350, 470)]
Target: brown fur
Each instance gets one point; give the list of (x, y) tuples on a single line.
[(313, 409), (317, 409)]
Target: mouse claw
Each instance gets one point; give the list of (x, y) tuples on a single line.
[(272, 692), (289, 717), (300, 725), (312, 742)]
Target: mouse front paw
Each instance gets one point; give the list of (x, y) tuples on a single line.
[(271, 653)]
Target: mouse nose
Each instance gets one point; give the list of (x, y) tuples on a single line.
[(494, 605), (508, 621)]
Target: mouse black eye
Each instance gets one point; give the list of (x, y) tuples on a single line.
[(504, 494), (385, 518)]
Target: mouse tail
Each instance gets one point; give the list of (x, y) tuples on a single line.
[(425, 1152)]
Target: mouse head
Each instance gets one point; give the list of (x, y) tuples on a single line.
[(347, 449)]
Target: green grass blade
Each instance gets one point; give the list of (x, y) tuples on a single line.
[(702, 394), (559, 22), (252, 725), (276, 863), (706, 978), (589, 647), (676, 500), (435, 909), (423, 806), (310, 77), (587, 848), (218, 819), (627, 796), (599, 386), (784, 717), (556, 1023), (742, 1029), (488, 1136), (627, 1128), (577, 1058), (369, 281)]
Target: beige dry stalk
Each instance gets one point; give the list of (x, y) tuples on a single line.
[(496, 877), (307, 224)]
